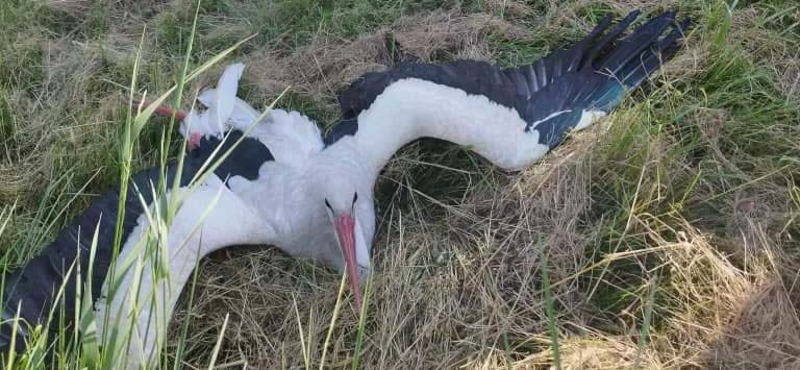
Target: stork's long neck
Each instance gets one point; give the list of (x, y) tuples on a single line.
[(383, 129)]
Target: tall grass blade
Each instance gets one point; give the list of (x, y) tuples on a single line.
[(362, 324), (721, 20), (179, 353), (126, 154), (167, 136), (90, 348), (14, 329), (335, 315)]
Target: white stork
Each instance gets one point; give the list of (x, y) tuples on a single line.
[(286, 185)]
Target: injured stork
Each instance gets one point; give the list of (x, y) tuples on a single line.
[(284, 184)]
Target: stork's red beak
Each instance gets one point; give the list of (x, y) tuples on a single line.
[(345, 231)]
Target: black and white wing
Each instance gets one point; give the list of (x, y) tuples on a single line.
[(510, 116), (32, 288), (226, 220)]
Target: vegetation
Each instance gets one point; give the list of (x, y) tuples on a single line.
[(666, 236)]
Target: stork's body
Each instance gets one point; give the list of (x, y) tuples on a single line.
[(313, 197)]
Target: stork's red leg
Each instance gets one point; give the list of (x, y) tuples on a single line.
[(161, 110), (194, 137)]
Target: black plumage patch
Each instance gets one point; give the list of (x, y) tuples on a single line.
[(244, 160), (36, 283)]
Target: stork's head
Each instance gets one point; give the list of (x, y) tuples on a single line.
[(349, 210)]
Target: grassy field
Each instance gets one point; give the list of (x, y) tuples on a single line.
[(665, 237)]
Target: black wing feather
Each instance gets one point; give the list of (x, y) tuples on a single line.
[(35, 284)]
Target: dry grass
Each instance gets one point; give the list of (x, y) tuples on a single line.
[(329, 63), (688, 191)]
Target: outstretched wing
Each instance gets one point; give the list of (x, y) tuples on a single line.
[(230, 221), (34, 285), (510, 116)]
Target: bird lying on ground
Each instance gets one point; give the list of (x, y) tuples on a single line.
[(312, 196)]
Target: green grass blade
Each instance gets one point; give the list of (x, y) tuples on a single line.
[(179, 353), (335, 316), (362, 323), (126, 154), (167, 136), (90, 354)]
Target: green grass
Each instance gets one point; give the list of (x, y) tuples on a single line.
[(671, 228)]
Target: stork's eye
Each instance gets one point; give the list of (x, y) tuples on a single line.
[(355, 197), (328, 204)]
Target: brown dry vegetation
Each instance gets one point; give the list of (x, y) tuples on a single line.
[(682, 203)]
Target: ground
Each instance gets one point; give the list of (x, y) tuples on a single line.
[(664, 237)]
